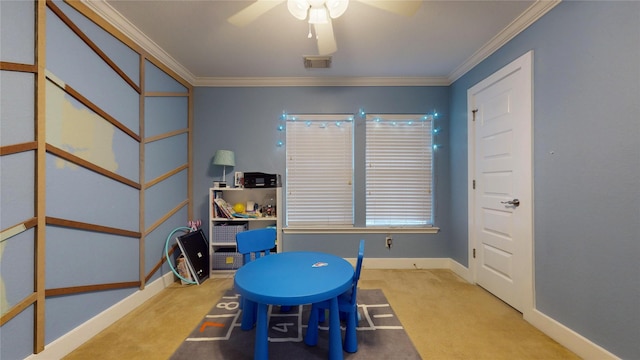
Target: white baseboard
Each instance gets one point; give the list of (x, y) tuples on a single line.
[(460, 270), (405, 263), (65, 344), (568, 338), (416, 263)]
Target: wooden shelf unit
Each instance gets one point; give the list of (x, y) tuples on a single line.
[(224, 257)]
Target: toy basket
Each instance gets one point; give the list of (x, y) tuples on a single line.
[(226, 233), (226, 259)]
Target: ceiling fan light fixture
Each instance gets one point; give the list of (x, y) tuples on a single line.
[(298, 8), (337, 7), (318, 15), (317, 10)]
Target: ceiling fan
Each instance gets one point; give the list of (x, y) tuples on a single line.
[(319, 14)]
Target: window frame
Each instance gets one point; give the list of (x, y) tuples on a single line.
[(356, 227), (335, 141), (399, 170)]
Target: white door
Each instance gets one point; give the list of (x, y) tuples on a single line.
[(500, 168)]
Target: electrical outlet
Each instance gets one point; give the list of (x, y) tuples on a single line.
[(388, 241)]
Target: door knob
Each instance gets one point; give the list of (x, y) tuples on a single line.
[(514, 202)]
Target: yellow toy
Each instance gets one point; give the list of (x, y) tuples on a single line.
[(239, 208)]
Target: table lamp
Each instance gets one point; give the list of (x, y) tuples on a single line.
[(224, 158)]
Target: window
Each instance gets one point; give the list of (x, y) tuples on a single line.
[(399, 170), (319, 170)]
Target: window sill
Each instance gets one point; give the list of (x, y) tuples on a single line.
[(360, 230)]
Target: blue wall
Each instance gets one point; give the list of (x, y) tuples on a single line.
[(17, 176), (586, 167), (245, 120), (77, 192)]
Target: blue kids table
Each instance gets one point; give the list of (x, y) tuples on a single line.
[(293, 278)]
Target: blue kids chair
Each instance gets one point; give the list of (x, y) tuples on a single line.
[(253, 244), (347, 305)]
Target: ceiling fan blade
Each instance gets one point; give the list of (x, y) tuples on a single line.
[(252, 12), (326, 41), (400, 7)]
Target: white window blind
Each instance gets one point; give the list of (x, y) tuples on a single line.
[(399, 170), (319, 170)]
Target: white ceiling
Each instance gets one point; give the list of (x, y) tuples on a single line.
[(435, 46)]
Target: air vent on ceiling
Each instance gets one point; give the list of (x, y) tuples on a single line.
[(317, 62)]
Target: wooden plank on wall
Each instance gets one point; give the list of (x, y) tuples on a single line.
[(40, 181), (95, 108), (165, 176), (165, 94), (14, 230), (190, 156), (90, 288), (167, 216), (91, 227), (159, 263), (98, 20), (18, 308), (90, 166), (10, 66), (56, 10), (18, 148), (151, 139), (141, 224)]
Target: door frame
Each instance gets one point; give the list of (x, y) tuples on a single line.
[(525, 62)]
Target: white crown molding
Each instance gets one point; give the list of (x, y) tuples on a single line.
[(319, 81), (113, 17), (528, 17), (531, 15)]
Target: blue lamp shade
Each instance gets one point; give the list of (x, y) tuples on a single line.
[(224, 157)]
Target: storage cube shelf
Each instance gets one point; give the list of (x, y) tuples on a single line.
[(222, 230), (226, 233), (226, 260)]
